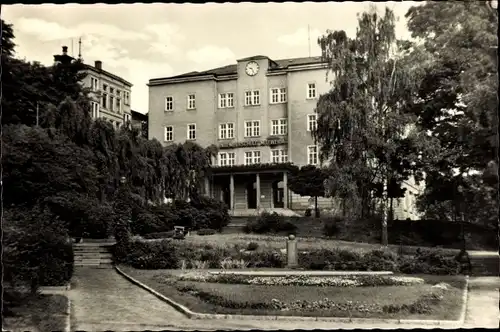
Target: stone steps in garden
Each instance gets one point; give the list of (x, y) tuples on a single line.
[(93, 254), (485, 265)]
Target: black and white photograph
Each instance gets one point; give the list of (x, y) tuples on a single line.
[(249, 166)]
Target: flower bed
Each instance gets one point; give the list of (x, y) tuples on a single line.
[(304, 280), (388, 298)]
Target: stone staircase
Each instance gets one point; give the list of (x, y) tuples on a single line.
[(93, 254), (485, 265)]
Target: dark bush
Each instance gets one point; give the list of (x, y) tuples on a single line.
[(216, 213), (430, 233), (342, 260), (159, 235), (252, 246), (430, 261), (332, 226), (270, 223), (151, 255), (84, 216), (37, 249), (205, 231), (380, 260)]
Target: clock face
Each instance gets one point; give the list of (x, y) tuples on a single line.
[(252, 68)]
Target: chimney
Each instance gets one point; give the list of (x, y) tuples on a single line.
[(98, 64), (65, 50)]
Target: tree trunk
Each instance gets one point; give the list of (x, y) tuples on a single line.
[(343, 207), (391, 209), (316, 212), (385, 240)]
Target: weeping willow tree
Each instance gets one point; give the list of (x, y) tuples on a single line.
[(185, 165), (360, 120)]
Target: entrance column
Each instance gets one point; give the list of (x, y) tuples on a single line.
[(285, 190), (231, 192), (207, 187), (257, 189)]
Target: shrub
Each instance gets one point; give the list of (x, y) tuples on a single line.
[(159, 235), (37, 249), (216, 213), (380, 260), (342, 260), (252, 246), (269, 223), (151, 255), (84, 216), (331, 226), (205, 231), (430, 261), (267, 259)]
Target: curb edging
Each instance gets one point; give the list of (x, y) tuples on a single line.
[(179, 307), (68, 316), (200, 316), (464, 301)]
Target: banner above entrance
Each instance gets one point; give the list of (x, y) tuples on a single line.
[(246, 144)]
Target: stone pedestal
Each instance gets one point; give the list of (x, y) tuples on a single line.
[(291, 252)]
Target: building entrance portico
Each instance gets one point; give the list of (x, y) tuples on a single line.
[(251, 190)]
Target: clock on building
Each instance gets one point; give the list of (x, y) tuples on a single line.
[(252, 68)]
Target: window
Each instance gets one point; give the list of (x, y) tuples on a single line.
[(278, 95), (252, 97), (226, 159), (252, 128), (279, 156), (279, 127), (312, 155), (169, 134), (94, 84), (191, 131), (111, 105), (226, 130), (226, 100), (126, 118), (191, 102), (104, 100), (252, 157), (111, 90), (311, 90), (95, 110), (311, 122), (126, 96), (169, 103), (118, 105), (105, 87)]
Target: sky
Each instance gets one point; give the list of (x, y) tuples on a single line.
[(143, 41)]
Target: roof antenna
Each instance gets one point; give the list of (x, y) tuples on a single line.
[(309, 39)]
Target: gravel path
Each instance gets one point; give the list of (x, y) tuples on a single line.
[(483, 302)]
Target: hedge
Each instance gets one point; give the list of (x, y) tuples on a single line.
[(200, 213), (172, 254)]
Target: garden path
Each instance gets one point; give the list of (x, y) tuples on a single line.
[(101, 300), (483, 302)]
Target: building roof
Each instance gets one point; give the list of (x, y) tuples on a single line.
[(282, 64), (139, 116), (107, 73)]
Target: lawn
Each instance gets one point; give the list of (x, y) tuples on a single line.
[(39, 313), (303, 243), (367, 302)]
